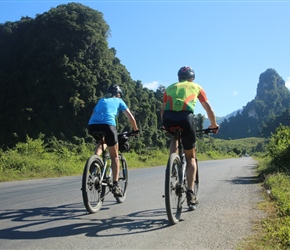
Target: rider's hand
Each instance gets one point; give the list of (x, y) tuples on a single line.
[(135, 132), (214, 129)]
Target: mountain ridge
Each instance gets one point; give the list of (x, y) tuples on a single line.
[(260, 116), (220, 119)]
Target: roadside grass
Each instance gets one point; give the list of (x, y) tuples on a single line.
[(272, 232), (37, 159), (33, 160)]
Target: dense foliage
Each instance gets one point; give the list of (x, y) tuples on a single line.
[(51, 80), (54, 68), (279, 149)]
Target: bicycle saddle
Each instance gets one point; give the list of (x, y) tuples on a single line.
[(98, 135)]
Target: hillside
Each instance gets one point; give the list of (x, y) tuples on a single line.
[(261, 115), (52, 79), (220, 119)]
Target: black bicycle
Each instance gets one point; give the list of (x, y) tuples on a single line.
[(97, 175), (176, 179)]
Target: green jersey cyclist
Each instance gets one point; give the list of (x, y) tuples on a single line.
[(104, 119), (178, 111)]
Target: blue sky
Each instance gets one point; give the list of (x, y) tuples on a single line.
[(228, 43)]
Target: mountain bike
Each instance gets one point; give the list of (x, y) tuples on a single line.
[(97, 179), (176, 179)]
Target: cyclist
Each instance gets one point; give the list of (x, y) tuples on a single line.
[(104, 119), (178, 111)]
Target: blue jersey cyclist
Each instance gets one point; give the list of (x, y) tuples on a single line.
[(178, 111), (104, 119)]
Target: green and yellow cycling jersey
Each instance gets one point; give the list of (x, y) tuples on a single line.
[(182, 96)]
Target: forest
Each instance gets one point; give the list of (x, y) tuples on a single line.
[(54, 68)]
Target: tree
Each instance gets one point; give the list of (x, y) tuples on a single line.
[(51, 81)]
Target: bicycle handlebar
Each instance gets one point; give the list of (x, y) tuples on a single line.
[(128, 134), (207, 130)]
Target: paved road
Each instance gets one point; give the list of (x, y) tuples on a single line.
[(49, 213)]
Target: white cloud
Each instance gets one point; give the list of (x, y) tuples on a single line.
[(287, 83), (151, 85), (235, 93)]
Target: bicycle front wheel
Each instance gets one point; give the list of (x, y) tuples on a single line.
[(92, 189), (173, 193), (123, 178)]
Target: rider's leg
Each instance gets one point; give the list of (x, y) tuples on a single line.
[(173, 145), (190, 167), (115, 164), (191, 173), (98, 150)]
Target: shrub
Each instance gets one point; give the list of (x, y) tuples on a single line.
[(279, 148)]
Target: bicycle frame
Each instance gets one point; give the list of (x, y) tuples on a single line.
[(97, 174), (182, 165), (105, 158), (176, 179)]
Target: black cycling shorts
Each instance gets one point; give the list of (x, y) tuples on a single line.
[(111, 137), (184, 120)]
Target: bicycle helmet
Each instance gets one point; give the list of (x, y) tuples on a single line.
[(185, 73), (114, 89)]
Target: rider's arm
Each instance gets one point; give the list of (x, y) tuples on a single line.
[(210, 114), (207, 107), (131, 118)]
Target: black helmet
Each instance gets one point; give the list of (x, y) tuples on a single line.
[(114, 89), (186, 73)]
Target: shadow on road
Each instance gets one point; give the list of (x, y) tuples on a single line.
[(246, 180), (68, 220), (252, 179)]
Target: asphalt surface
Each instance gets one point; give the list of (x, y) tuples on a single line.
[(49, 213)]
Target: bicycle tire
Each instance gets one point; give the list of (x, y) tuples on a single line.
[(93, 191), (196, 182), (173, 195), (123, 178)]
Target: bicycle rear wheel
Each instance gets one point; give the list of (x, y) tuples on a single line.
[(123, 178), (92, 189), (196, 182), (173, 194)]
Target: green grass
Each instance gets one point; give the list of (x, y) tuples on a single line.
[(273, 232), (36, 159), (19, 164)]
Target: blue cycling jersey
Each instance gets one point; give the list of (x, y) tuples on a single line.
[(106, 111)]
